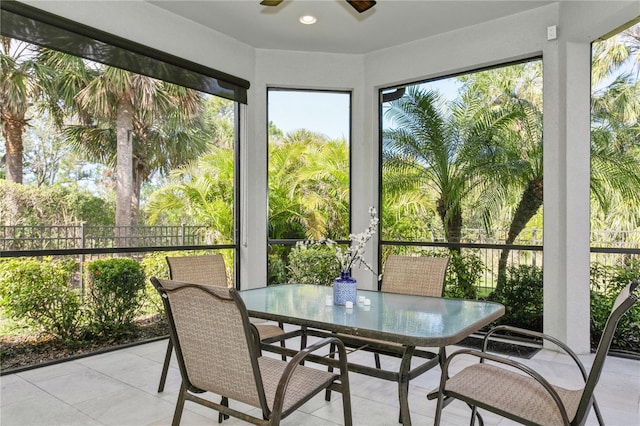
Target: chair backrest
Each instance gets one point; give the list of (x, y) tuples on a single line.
[(625, 300), (206, 270), (215, 346), (416, 275)]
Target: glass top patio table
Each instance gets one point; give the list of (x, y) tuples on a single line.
[(398, 318)]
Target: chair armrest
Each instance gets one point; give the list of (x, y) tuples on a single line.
[(303, 353), (255, 338), (531, 333), (515, 364), (299, 357)]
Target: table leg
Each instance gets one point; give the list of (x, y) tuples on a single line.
[(403, 385)]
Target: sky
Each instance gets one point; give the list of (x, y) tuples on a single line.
[(321, 112), (326, 112)]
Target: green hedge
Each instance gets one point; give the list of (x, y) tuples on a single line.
[(522, 297), (523, 300), (116, 292), (155, 265), (38, 291), (315, 264), (463, 275), (606, 284)]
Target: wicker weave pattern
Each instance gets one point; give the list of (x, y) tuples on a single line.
[(210, 270), (268, 330), (520, 393), (213, 342), (304, 382), (205, 270), (513, 393), (416, 275), (218, 352)]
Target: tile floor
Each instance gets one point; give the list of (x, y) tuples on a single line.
[(119, 388)]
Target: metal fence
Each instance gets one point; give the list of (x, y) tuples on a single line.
[(607, 247), (85, 243), (61, 237), (70, 237)]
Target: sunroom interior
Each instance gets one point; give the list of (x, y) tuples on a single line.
[(397, 43)]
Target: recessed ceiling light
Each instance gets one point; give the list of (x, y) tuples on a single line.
[(308, 19)]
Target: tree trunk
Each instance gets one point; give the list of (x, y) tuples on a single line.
[(124, 168), (530, 202), (138, 177), (140, 171), (451, 222), (13, 128)]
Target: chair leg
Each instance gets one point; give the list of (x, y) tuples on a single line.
[(283, 345), (598, 414), (282, 342), (177, 414), (165, 367), (376, 357), (222, 416), (303, 339), (332, 350), (346, 405), (474, 411), (438, 415), (476, 415)]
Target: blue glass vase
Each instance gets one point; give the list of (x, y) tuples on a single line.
[(344, 289)]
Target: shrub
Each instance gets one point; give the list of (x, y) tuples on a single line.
[(38, 291), (277, 270), (314, 264), (606, 284), (463, 275), (522, 297), (154, 265), (50, 205), (116, 291)]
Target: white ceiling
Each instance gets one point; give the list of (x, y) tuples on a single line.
[(340, 29)]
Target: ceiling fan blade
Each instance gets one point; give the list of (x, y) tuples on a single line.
[(361, 5), (270, 2)]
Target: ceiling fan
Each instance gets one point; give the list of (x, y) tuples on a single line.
[(359, 5)]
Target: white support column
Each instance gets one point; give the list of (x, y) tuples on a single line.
[(578, 176), (253, 240), (364, 180), (567, 174)]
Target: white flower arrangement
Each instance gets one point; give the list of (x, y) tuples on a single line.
[(352, 256)]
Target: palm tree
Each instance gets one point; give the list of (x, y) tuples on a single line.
[(219, 116), (308, 187), (442, 155), (136, 123), (615, 172), (23, 80), (615, 102), (516, 89), (200, 193), (615, 131), (406, 211)]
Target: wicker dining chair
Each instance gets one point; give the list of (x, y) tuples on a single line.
[(415, 275), (525, 396), (205, 270), (218, 351)]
